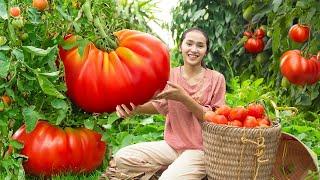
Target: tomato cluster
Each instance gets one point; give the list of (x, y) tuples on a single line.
[(251, 116), (254, 43), (297, 67)]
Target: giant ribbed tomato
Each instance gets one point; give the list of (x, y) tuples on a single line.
[(254, 45), (52, 150), (299, 70), (98, 81), (299, 33)]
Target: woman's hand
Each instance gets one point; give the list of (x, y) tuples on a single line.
[(173, 92), (123, 111)]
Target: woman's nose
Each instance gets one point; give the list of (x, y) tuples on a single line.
[(194, 49)]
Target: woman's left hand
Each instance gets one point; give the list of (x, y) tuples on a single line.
[(174, 92)]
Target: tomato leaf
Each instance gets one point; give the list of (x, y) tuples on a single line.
[(4, 66), (16, 144), (38, 51), (3, 10), (88, 123), (61, 116), (48, 88), (31, 117)]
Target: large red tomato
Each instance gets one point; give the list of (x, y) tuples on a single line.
[(254, 45), (255, 110), (98, 81), (52, 150), (299, 70), (299, 33)]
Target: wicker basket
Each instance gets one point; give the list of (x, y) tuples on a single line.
[(240, 153)]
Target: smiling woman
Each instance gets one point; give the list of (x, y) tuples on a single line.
[(192, 89)]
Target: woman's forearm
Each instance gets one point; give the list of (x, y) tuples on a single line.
[(146, 108)]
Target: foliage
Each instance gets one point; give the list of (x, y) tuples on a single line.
[(225, 23), (30, 74)]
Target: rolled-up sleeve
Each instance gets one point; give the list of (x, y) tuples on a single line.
[(218, 94), (161, 106)]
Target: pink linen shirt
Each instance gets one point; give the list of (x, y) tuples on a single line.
[(182, 128)]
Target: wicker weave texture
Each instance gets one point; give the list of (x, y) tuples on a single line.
[(239, 153)]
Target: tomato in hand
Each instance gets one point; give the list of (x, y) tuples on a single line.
[(98, 81)]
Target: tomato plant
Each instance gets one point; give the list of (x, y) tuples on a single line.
[(98, 81), (299, 33), (52, 150)]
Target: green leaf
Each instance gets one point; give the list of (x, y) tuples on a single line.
[(4, 68), (59, 104), (5, 48), (38, 51), (112, 118), (89, 124), (3, 10), (34, 15), (31, 117), (48, 88), (276, 4), (62, 113), (18, 54), (146, 121), (16, 144), (51, 74)]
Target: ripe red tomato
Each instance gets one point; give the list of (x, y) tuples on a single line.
[(98, 81), (254, 45), (236, 123), (259, 33), (219, 119), (6, 100), (40, 4), (299, 33), (52, 150), (263, 122), (255, 110), (15, 11), (223, 110), (208, 116), (238, 113), (248, 34), (299, 70), (250, 121)]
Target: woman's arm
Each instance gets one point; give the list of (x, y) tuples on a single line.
[(146, 108), (176, 92)]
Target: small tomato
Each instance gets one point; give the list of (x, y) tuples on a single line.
[(250, 122), (255, 110), (223, 110), (40, 4), (238, 113), (236, 123), (15, 11), (208, 116)]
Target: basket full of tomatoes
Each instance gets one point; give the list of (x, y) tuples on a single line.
[(240, 142)]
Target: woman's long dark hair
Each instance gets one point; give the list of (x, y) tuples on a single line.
[(183, 36)]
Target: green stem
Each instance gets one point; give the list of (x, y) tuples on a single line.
[(87, 10)]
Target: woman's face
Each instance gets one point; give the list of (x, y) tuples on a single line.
[(193, 48)]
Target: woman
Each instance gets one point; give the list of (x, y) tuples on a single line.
[(191, 91)]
